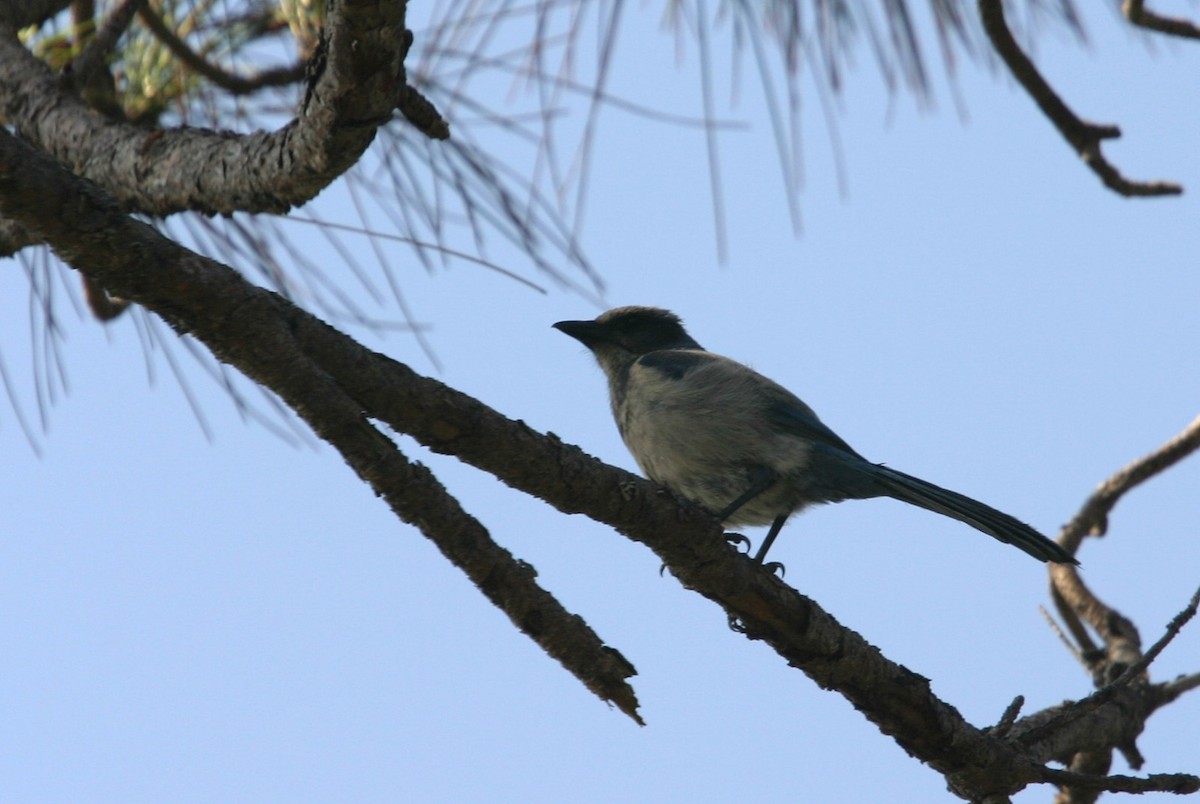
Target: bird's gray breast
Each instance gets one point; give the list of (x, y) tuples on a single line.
[(699, 423)]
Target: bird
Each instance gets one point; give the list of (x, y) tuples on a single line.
[(743, 447)]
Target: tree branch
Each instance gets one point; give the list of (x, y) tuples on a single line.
[(1092, 519), (337, 386), (1172, 630), (1118, 668), (14, 237), (245, 327), (1083, 136), (23, 13), (231, 82), (91, 60), (1073, 599), (1171, 690), (1178, 783), (1135, 12), (358, 79), (102, 305)]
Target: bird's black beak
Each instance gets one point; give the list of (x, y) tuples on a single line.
[(586, 332)]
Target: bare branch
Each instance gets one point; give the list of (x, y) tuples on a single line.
[(1178, 783), (91, 60), (1171, 690), (103, 306), (1135, 12), (1083, 136), (1173, 628), (251, 329), (336, 386), (1094, 764), (1054, 626), (21, 13), (358, 79), (1120, 663), (229, 81), (1009, 717), (1116, 713), (1074, 599), (418, 110), (1092, 518)]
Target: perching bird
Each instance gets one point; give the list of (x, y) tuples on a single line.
[(742, 446)]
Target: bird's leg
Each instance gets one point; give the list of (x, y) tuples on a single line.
[(776, 526), (763, 478)]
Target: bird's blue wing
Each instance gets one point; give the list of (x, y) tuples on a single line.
[(793, 416), (675, 363), (783, 408)]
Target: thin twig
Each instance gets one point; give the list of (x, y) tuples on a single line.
[(1070, 618), (1093, 516), (1171, 690), (1057, 629), (89, 62), (232, 82), (418, 110), (102, 305), (1009, 717), (1178, 783), (1072, 597), (1083, 136), (1173, 628), (1135, 12)]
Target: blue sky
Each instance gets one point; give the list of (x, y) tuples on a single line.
[(242, 620)]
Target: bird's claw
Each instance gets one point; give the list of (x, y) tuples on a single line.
[(775, 568), (737, 540)]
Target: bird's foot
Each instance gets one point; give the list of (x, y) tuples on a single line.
[(775, 568), (737, 540)]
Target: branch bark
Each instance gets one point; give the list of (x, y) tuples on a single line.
[(22, 13), (357, 80)]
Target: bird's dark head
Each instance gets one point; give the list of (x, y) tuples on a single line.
[(633, 330)]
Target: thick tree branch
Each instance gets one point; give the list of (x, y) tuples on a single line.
[(358, 79), (1083, 136), (14, 237), (338, 386), (23, 13), (1083, 734), (245, 327)]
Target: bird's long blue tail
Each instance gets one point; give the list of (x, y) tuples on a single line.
[(982, 517)]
